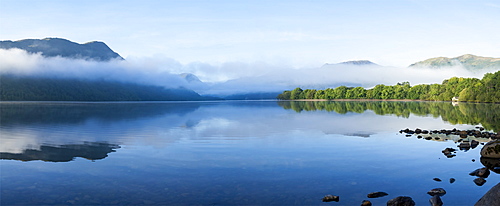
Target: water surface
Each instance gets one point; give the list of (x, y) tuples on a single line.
[(235, 152)]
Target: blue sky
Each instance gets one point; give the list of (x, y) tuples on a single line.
[(294, 33)]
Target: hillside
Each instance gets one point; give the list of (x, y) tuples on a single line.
[(23, 88), (51, 47), (469, 61)]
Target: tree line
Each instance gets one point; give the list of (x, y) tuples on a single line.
[(486, 89)]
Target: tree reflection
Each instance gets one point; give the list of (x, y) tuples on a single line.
[(63, 153), (488, 115)]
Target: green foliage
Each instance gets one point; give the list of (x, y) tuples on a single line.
[(466, 89)]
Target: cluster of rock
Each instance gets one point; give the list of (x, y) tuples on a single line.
[(398, 201), (478, 132)]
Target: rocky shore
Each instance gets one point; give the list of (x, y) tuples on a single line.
[(465, 140)]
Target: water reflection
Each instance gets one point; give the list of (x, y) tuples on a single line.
[(487, 115), (228, 153), (63, 153)]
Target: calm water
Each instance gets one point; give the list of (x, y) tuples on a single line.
[(235, 153)]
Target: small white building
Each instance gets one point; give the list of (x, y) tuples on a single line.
[(454, 99)]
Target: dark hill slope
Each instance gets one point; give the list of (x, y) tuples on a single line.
[(22, 88)]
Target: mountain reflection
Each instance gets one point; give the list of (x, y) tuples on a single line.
[(63, 153), (488, 115)]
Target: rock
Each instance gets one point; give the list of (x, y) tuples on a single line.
[(366, 203), (492, 164), (482, 172), (492, 197), (436, 201), (401, 201), (464, 146), (437, 191), (377, 194), (474, 144), (437, 179), (428, 138), (418, 131), (330, 198), (491, 149), (479, 181), (452, 180)]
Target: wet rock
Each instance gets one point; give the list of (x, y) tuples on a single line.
[(436, 201), (481, 172), (437, 191), (474, 144), (330, 198), (452, 180), (401, 201), (492, 197), (428, 138), (418, 131), (437, 179), (491, 149), (479, 181), (464, 146), (376, 194), (448, 152), (366, 203), (419, 137)]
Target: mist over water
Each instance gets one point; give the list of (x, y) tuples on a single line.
[(225, 78)]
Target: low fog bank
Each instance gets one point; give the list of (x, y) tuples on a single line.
[(225, 78)]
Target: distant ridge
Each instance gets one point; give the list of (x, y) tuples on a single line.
[(355, 63), (469, 61), (51, 47)]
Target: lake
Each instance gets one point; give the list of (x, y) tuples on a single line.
[(237, 152)]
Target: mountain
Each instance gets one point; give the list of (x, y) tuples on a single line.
[(51, 47), (469, 61), (353, 63)]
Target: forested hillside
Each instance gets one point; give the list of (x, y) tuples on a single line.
[(486, 89), (17, 88)]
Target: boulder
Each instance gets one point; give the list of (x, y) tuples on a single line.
[(330, 198), (401, 201), (492, 197), (436, 200), (491, 149), (492, 164)]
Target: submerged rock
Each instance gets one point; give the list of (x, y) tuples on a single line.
[(452, 180), (479, 181), (437, 179), (377, 194), (436, 201), (492, 197), (366, 203), (401, 201), (491, 149), (330, 198), (437, 192)]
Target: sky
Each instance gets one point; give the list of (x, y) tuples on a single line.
[(294, 33), (238, 46)]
